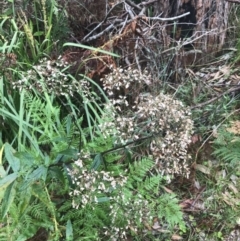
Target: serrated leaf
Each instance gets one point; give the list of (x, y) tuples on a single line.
[(39, 173), (39, 192), (64, 155), (25, 200), (57, 173)]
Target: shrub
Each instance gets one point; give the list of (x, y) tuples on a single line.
[(134, 114)]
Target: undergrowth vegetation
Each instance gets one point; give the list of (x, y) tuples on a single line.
[(120, 157)]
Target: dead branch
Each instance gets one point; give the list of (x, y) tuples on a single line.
[(101, 23), (129, 11), (144, 42), (111, 26), (233, 1), (132, 4), (216, 98), (87, 38), (169, 19), (147, 3)]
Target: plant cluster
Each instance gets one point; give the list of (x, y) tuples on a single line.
[(112, 149), (50, 75), (160, 116), (94, 186), (48, 153), (111, 198)]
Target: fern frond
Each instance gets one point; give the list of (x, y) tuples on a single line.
[(151, 184), (170, 210), (227, 148), (38, 211), (139, 169)]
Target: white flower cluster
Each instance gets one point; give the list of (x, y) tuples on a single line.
[(49, 76), (123, 86), (159, 116), (170, 121), (92, 185), (135, 213), (126, 213)]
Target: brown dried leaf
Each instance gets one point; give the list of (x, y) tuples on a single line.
[(195, 138), (221, 175), (167, 190), (186, 204), (225, 69), (230, 200), (176, 237), (203, 169), (199, 205), (156, 226), (233, 188), (226, 199), (134, 25), (215, 76), (234, 128)]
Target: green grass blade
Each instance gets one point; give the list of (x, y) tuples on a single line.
[(90, 48)]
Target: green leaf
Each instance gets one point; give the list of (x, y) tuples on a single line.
[(68, 124), (24, 203), (56, 172), (22, 237), (8, 198), (103, 199), (13, 161), (71, 152), (12, 44), (39, 173), (27, 160), (1, 152), (90, 48), (39, 192), (6, 181), (69, 231), (170, 210), (98, 160), (3, 173), (128, 155), (39, 33)]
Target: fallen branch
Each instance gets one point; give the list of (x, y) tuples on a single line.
[(147, 3), (132, 4), (215, 98), (101, 23), (87, 38), (168, 19), (233, 1)]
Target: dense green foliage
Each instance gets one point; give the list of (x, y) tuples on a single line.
[(60, 173), (50, 138)]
